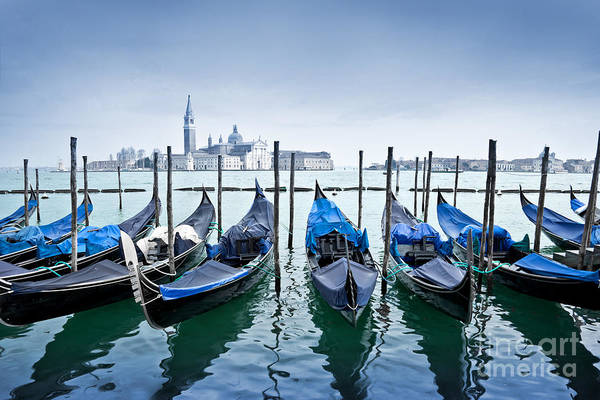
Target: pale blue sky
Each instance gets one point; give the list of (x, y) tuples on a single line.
[(317, 75)]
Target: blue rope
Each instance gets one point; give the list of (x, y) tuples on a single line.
[(267, 270), (396, 268), (50, 269), (62, 263), (465, 265)]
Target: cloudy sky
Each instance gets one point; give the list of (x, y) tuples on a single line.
[(325, 75)]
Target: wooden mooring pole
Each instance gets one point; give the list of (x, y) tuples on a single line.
[(291, 227), (470, 255), (360, 186), (26, 192), (591, 207), (423, 186), (73, 204), (276, 218), (85, 191), (388, 220), (37, 193), (171, 239), (155, 191), (416, 185), (219, 194), (119, 178), (490, 239), (428, 189), (486, 208), (397, 176), (456, 179), (541, 199)]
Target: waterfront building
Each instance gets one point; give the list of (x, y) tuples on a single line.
[(306, 160)]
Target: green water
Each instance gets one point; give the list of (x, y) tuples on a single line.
[(295, 347)]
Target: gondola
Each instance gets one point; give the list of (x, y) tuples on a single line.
[(15, 221), (562, 231), (425, 264), (518, 268), (341, 266), (22, 245), (243, 255), (106, 281), (580, 208), (93, 245)]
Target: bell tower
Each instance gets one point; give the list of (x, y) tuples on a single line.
[(189, 129)]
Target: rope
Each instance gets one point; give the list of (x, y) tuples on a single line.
[(266, 269), (50, 269), (215, 228), (62, 263), (465, 265)]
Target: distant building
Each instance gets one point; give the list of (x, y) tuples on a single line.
[(108, 165), (578, 166), (189, 129), (306, 160)]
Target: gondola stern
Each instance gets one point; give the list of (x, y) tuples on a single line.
[(440, 198), (318, 192)]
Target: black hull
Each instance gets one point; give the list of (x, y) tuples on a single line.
[(23, 309), (566, 291), (161, 314), (456, 303)]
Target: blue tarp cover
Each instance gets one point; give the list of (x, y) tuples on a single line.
[(326, 217), (576, 205), (207, 276), (99, 271), (62, 226), (90, 240), (330, 281), (537, 264), (405, 234), (457, 225), (23, 239), (20, 213), (560, 225), (257, 223), (440, 273)]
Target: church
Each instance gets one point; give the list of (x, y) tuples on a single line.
[(236, 153)]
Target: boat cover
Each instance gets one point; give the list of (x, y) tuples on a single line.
[(20, 213), (326, 217), (540, 265), (99, 271), (134, 225), (8, 269), (440, 272), (560, 225), (405, 234), (457, 225), (330, 281), (257, 223), (400, 215), (207, 276), (90, 240), (185, 238), (579, 207), (61, 227)]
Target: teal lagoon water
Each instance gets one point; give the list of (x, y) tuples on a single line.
[(294, 346)]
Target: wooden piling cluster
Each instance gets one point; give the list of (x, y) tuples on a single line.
[(591, 207), (486, 213)]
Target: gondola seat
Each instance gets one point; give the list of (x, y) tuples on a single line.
[(422, 251)]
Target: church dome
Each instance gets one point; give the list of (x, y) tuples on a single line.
[(235, 137)]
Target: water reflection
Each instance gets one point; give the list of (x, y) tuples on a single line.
[(85, 337), (347, 348), (198, 341), (442, 342), (545, 324)]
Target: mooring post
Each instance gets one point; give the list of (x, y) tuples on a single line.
[(428, 187), (470, 256), (170, 213), (388, 220), (591, 207), (276, 217), (484, 227), (456, 180), (360, 186), (416, 184), (540, 211), (219, 194), (73, 204), (490, 238), (26, 191), (155, 191), (85, 191), (423, 186), (397, 176), (37, 193), (119, 177), (291, 227)]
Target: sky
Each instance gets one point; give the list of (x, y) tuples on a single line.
[(336, 76)]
